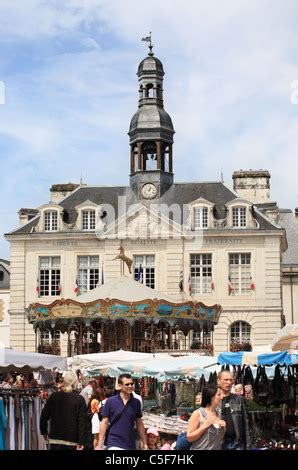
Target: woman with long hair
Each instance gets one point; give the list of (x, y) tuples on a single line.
[(205, 429)]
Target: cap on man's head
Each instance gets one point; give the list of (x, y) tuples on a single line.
[(153, 431)]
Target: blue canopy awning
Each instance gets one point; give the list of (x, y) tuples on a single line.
[(242, 358)]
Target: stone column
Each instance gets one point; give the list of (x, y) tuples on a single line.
[(140, 166), (158, 146), (170, 159)]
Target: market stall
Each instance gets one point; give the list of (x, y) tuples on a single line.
[(270, 403), (22, 397), (167, 384), (286, 338), (11, 359)]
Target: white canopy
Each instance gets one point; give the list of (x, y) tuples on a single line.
[(286, 338), (123, 288), (11, 358), (95, 360)]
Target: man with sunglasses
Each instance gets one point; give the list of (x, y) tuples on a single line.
[(120, 413)]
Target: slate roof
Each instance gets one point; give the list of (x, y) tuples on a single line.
[(179, 193), (5, 267), (288, 221)]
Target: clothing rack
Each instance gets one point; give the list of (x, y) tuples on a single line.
[(24, 391), (20, 415)]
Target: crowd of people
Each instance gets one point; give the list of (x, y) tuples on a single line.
[(96, 418)]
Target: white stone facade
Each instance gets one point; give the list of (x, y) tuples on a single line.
[(261, 308), (4, 318)]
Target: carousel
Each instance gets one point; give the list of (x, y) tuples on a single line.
[(121, 314)]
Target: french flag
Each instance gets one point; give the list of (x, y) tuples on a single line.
[(37, 286), (76, 289), (230, 286), (181, 288), (189, 285), (140, 274)]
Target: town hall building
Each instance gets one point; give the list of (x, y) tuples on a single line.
[(198, 241)]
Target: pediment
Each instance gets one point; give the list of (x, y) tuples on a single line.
[(239, 201), (87, 204), (202, 202), (50, 207), (142, 221)]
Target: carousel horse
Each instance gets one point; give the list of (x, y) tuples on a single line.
[(123, 257)]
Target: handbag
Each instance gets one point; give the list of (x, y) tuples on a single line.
[(182, 443)]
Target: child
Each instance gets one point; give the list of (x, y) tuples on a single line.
[(152, 438)]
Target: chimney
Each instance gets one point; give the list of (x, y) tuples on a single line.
[(253, 185), (26, 214), (60, 191)]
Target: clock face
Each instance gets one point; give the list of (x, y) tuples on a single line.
[(149, 191)]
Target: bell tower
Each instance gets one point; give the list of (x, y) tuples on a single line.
[(151, 134)]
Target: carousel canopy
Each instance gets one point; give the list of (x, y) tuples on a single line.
[(124, 299), (250, 358), (12, 359), (124, 288), (286, 338)]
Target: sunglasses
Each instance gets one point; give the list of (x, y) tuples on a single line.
[(130, 384)]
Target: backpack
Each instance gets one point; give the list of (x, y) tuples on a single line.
[(182, 443)]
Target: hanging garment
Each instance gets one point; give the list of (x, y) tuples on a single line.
[(26, 423), (248, 377), (261, 390), (2, 424), (33, 430), (12, 440), (7, 430), (279, 388)]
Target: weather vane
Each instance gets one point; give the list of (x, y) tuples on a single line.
[(148, 39)]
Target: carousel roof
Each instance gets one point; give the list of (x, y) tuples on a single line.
[(123, 288), (125, 299)]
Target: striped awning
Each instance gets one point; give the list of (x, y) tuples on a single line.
[(250, 358)]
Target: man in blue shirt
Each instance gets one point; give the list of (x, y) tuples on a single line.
[(120, 413)]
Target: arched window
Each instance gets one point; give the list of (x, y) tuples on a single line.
[(149, 155), (165, 160), (149, 90), (240, 336), (158, 92)]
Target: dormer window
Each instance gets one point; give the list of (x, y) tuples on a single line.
[(50, 221), (239, 217), (88, 218), (200, 217)]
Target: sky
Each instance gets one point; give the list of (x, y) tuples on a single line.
[(68, 90)]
